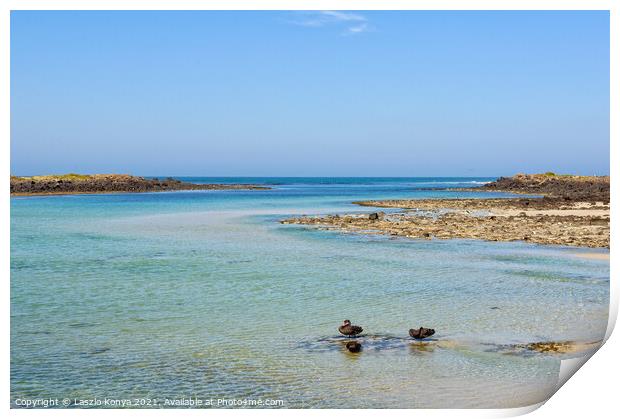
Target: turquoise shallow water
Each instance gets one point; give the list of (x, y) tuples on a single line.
[(204, 294)]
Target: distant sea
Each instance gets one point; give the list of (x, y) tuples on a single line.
[(204, 294)]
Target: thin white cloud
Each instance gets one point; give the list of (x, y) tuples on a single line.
[(353, 23), (342, 16), (358, 28)]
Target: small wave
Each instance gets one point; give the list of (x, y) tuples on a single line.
[(471, 182)]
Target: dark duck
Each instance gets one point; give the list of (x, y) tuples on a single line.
[(421, 333), (348, 329)]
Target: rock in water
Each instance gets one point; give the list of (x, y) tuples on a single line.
[(354, 346)]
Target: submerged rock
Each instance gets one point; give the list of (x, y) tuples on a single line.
[(353, 346), (567, 348), (556, 347)]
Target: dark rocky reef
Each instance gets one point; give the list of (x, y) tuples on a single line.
[(85, 184), (568, 187)]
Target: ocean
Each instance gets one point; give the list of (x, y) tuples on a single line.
[(204, 294)]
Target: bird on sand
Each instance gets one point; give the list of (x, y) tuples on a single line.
[(348, 329), (421, 333)]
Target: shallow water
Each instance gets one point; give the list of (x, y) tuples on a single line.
[(204, 294)]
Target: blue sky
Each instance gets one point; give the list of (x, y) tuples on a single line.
[(310, 93)]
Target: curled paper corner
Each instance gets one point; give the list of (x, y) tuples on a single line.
[(519, 411), (613, 316), (568, 367)]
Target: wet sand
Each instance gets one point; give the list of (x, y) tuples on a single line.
[(593, 256), (575, 216)]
